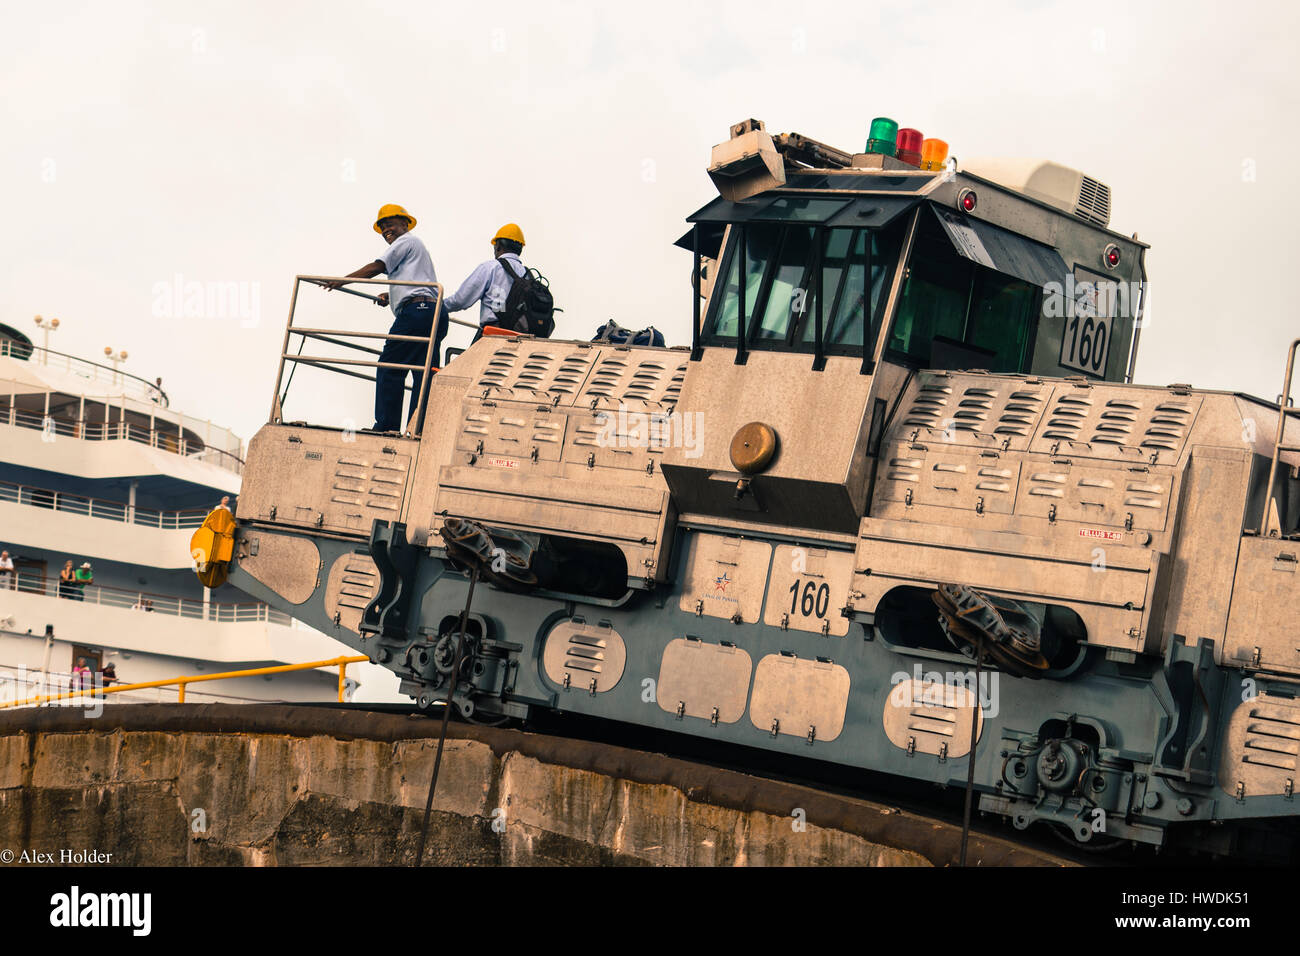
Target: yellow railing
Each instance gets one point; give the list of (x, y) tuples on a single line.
[(340, 662)]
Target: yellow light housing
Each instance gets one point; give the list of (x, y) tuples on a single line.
[(933, 154)]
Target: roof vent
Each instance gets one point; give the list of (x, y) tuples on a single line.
[(1060, 186), (1094, 201)]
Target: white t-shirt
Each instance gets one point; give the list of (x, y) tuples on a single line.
[(6, 565), (407, 261)]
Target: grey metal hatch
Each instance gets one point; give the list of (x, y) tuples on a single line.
[(1002, 250)]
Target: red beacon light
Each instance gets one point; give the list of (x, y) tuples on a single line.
[(909, 146), (967, 200), (1111, 256)]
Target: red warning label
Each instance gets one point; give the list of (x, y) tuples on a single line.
[(1102, 535)]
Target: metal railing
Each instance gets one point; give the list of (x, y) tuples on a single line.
[(338, 337), (1272, 510), (84, 368), (101, 507), (17, 683), (27, 582), (97, 690), (166, 437)]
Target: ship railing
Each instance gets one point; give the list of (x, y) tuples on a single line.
[(146, 602), (84, 368), (101, 507), (164, 435), (19, 683), (339, 338), (20, 687)]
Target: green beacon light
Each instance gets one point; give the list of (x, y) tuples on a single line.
[(883, 135)]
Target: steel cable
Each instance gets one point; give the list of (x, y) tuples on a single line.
[(446, 716)]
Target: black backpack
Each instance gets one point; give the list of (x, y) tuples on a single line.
[(529, 309)]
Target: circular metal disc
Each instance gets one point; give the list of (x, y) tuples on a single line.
[(753, 448)]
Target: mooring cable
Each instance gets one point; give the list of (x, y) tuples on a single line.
[(446, 714), (974, 737)]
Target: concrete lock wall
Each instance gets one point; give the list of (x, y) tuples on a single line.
[(269, 785)]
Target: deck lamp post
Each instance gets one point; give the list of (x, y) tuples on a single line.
[(47, 326)]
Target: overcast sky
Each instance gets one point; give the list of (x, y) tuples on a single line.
[(146, 144)]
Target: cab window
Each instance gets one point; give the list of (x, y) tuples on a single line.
[(953, 313), (780, 288)]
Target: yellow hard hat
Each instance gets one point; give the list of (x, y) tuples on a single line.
[(510, 231), (390, 210)]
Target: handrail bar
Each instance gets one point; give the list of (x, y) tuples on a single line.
[(24, 581), (8, 348), (364, 362), (414, 423), (167, 439), (341, 371), (119, 510), (20, 675), (346, 345), (1285, 410), (312, 333), (340, 662), (403, 282)]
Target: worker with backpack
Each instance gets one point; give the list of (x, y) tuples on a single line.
[(512, 296)]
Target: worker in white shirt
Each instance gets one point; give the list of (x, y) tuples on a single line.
[(406, 260), (490, 282)]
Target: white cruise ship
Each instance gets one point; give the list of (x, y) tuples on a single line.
[(95, 467)]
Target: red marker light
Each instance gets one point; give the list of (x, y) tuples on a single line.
[(1111, 256), (967, 200)]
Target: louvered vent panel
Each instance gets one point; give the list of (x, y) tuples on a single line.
[(1094, 202), (1168, 425), (360, 583), (1115, 424), (1066, 418), (626, 376), (1019, 413), (500, 368), (928, 408), (585, 652), (1272, 739), (1047, 484)]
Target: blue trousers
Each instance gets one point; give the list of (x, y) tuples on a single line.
[(413, 318)]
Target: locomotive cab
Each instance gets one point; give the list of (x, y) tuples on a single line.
[(973, 295)]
